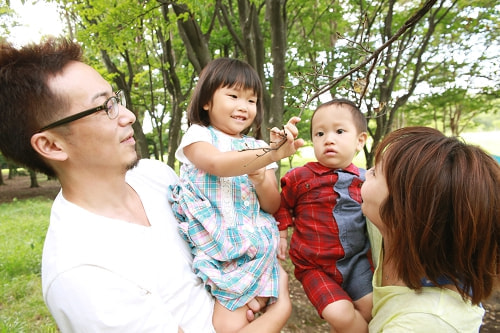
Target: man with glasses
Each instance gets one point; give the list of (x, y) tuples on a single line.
[(113, 259)]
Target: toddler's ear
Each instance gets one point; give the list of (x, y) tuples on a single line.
[(362, 137)]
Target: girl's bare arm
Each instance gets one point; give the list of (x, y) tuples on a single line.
[(235, 163), (266, 187)]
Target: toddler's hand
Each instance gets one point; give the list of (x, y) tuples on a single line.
[(283, 245)]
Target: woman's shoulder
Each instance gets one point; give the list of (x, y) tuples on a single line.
[(431, 310), (428, 322)]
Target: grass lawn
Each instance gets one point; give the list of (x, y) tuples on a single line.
[(23, 225)]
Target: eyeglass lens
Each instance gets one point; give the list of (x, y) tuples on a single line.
[(112, 108), (121, 98)]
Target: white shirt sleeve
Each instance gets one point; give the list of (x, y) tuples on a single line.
[(195, 133)]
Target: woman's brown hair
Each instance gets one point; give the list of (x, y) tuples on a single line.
[(442, 211)]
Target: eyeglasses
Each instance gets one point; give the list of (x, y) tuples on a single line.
[(111, 106)]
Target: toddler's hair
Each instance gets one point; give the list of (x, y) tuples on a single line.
[(357, 115)]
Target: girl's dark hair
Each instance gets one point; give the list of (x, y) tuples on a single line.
[(357, 115), (26, 100), (443, 210), (219, 73)]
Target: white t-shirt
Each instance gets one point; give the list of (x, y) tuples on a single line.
[(106, 275)]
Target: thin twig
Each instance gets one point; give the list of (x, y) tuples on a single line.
[(375, 54)]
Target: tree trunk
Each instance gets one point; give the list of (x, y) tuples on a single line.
[(195, 42), (34, 180), (277, 18), (125, 84), (12, 171)]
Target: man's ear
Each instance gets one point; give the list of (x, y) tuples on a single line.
[(48, 146)]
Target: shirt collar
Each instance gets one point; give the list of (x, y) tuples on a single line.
[(319, 169)]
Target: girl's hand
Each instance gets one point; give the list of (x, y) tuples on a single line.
[(290, 126), (266, 188), (258, 176), (285, 140)]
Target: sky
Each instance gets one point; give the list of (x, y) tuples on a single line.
[(37, 20)]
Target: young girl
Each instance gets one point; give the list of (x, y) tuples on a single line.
[(228, 190), (436, 202)]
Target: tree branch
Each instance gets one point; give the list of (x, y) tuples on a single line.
[(375, 54)]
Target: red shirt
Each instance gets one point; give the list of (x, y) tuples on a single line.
[(325, 213)]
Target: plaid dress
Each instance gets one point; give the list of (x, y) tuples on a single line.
[(233, 241)]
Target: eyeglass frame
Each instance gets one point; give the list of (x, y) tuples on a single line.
[(119, 98)]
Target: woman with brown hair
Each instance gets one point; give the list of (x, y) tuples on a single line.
[(436, 202)]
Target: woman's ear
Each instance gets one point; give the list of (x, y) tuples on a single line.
[(48, 146)]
